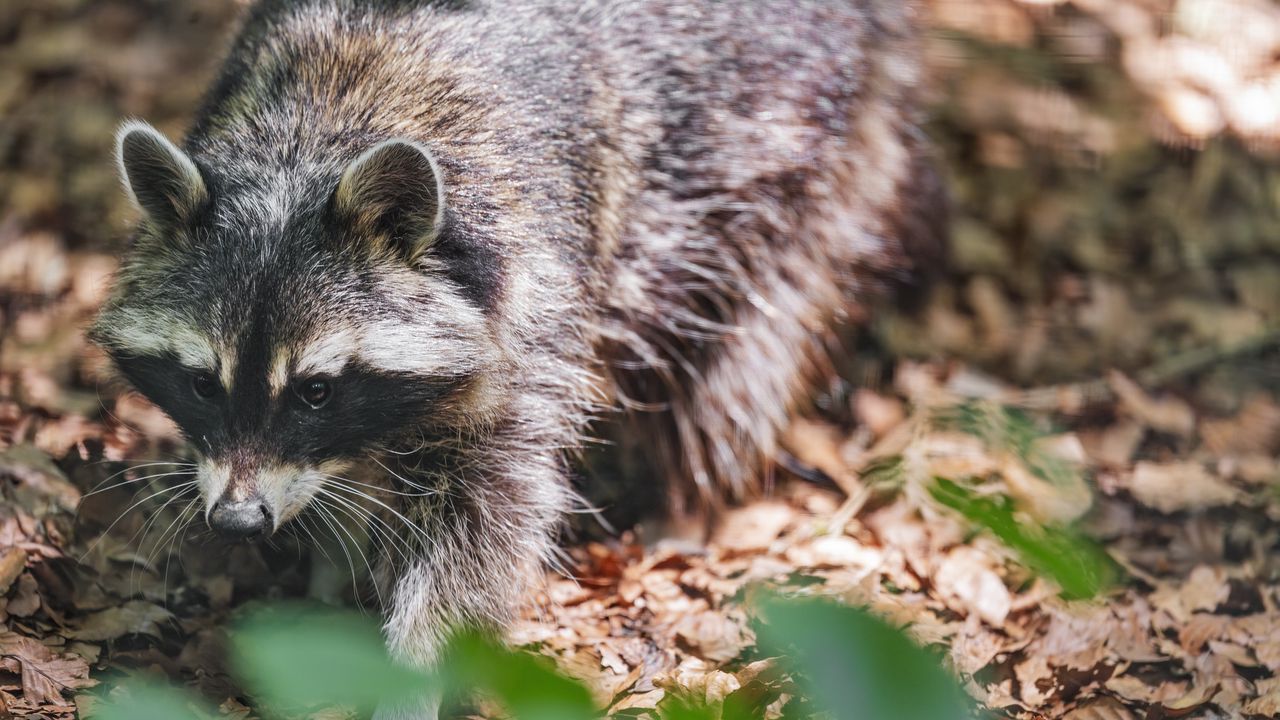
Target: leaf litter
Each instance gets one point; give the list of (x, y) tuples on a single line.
[(1108, 419)]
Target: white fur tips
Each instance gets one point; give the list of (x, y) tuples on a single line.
[(161, 180)]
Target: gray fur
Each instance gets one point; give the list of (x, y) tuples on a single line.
[(656, 206)]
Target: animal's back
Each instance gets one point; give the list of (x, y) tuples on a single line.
[(780, 182)]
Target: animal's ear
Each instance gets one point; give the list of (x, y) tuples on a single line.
[(394, 192), (162, 181)]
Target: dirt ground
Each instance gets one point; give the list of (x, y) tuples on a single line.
[(1109, 327)]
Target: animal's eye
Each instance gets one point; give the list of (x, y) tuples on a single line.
[(204, 385), (315, 392)]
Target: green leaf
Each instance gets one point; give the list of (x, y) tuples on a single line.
[(295, 656), (679, 710), (529, 688), (1077, 564), (147, 701), (856, 666)]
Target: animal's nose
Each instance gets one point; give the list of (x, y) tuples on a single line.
[(240, 518)]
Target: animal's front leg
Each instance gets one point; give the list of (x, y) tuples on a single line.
[(416, 631), (480, 546)]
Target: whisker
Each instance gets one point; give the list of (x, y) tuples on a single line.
[(140, 535), (404, 480), (129, 509), (378, 488), (335, 526), (185, 516), (414, 527), (373, 518), (154, 476)]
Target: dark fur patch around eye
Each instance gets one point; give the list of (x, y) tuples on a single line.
[(165, 382), (368, 409)]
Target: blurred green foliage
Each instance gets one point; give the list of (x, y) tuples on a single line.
[(291, 658), (855, 665), (1077, 564), (149, 701)]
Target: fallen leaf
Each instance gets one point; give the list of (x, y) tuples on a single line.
[(1114, 446), (713, 636), (754, 527), (879, 413), (965, 575), (1255, 429), (136, 617), (45, 675), (26, 599), (1191, 701), (1168, 414), (1176, 486), (37, 471), (1101, 709), (1061, 502), (12, 562), (1267, 704)]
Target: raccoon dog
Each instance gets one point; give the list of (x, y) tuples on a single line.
[(409, 249)]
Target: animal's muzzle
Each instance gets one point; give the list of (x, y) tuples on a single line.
[(241, 519)]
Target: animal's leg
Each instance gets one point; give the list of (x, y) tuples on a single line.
[(481, 543)]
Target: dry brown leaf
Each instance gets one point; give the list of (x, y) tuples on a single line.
[(755, 526), (957, 455), (697, 678), (975, 648), (836, 551), (879, 413), (26, 599), (1254, 430), (1199, 630), (37, 471), (136, 617), (1136, 690), (1205, 589), (1132, 637), (1267, 703), (1114, 446), (713, 636), (819, 445), (1101, 709), (1193, 700), (1167, 414), (1176, 486), (1268, 652), (12, 561), (1237, 655), (1035, 680), (965, 576), (45, 675)]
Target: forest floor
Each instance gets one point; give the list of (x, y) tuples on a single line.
[(1111, 332)]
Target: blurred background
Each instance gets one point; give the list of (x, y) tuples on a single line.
[(1115, 276)]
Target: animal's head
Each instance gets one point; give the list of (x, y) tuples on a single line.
[(293, 321)]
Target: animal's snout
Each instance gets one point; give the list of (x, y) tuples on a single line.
[(241, 519)]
